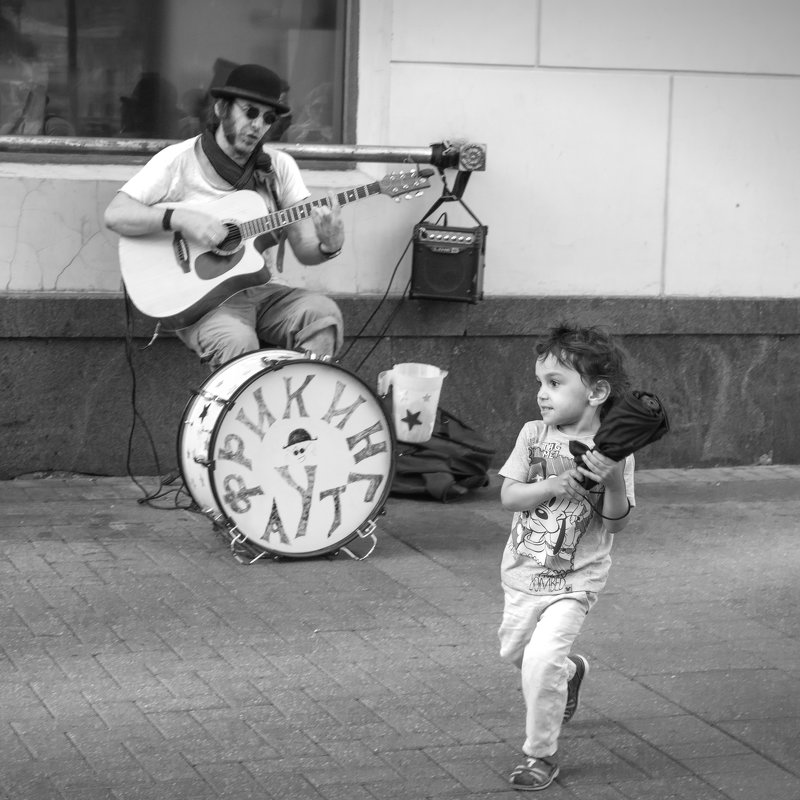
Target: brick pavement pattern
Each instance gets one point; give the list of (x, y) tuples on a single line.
[(141, 661)]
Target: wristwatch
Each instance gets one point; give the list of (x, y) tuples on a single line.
[(328, 255)]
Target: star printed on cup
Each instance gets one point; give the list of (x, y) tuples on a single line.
[(411, 418)]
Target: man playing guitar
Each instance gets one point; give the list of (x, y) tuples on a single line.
[(168, 193)]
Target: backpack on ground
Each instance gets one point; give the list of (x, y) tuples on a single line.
[(455, 460)]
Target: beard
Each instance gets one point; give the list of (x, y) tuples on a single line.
[(236, 140)]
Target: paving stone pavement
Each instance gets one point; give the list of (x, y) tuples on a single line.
[(141, 661)]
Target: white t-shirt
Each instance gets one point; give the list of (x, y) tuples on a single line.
[(561, 545), (182, 173)]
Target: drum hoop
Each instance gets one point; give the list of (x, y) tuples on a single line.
[(194, 393), (379, 504), (179, 444)]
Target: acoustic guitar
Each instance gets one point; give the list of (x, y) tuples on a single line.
[(176, 281)]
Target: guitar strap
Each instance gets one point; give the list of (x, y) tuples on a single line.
[(267, 180)]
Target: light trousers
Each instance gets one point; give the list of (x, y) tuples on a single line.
[(279, 315), (536, 635)]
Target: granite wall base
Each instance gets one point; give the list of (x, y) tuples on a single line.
[(83, 393)]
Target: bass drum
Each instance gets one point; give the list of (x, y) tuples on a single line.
[(291, 454)]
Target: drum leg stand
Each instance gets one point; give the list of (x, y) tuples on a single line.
[(246, 553), (241, 549), (363, 536)]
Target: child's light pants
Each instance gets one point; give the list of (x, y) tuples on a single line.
[(536, 635)]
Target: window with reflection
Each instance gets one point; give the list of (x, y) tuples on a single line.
[(142, 68)]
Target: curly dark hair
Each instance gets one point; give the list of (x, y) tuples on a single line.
[(591, 352)]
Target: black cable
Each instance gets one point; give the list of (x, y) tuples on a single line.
[(446, 195), (385, 328), (377, 308), (601, 514), (161, 491)]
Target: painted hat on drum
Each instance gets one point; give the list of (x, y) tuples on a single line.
[(297, 436), (253, 82)]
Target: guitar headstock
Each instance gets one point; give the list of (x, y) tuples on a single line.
[(405, 184)]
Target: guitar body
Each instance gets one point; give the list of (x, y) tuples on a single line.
[(173, 280), (178, 282)]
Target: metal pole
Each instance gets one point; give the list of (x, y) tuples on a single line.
[(461, 155), (81, 145)]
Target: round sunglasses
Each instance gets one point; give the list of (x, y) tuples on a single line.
[(251, 112)]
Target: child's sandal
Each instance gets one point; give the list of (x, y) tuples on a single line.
[(534, 774)]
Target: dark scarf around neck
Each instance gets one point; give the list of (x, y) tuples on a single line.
[(237, 176)]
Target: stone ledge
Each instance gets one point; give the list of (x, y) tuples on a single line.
[(725, 368), (42, 315)]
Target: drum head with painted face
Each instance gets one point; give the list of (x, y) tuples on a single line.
[(301, 458)]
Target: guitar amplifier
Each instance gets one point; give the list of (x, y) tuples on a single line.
[(447, 262)]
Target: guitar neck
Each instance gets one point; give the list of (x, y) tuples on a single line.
[(288, 216)]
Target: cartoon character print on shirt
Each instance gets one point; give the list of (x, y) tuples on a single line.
[(549, 533)]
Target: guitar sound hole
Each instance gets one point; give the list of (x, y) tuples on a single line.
[(232, 242)]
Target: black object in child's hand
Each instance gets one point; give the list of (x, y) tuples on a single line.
[(635, 419)]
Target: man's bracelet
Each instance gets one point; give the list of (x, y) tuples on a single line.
[(166, 220), (329, 255)]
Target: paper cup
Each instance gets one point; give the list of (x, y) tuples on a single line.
[(415, 398)]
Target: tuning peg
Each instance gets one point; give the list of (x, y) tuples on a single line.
[(419, 193), (396, 199)]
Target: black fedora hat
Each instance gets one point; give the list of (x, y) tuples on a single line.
[(253, 82)]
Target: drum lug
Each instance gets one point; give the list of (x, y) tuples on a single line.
[(276, 363), (203, 462), (311, 356)]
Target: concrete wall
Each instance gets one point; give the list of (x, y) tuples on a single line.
[(634, 147), (726, 369), (640, 174)]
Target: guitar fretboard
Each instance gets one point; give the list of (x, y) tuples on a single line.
[(288, 216)]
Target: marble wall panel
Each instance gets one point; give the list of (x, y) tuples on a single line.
[(574, 196), (465, 31), (732, 209), (688, 35)]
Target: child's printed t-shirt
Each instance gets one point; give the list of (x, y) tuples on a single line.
[(561, 545)]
